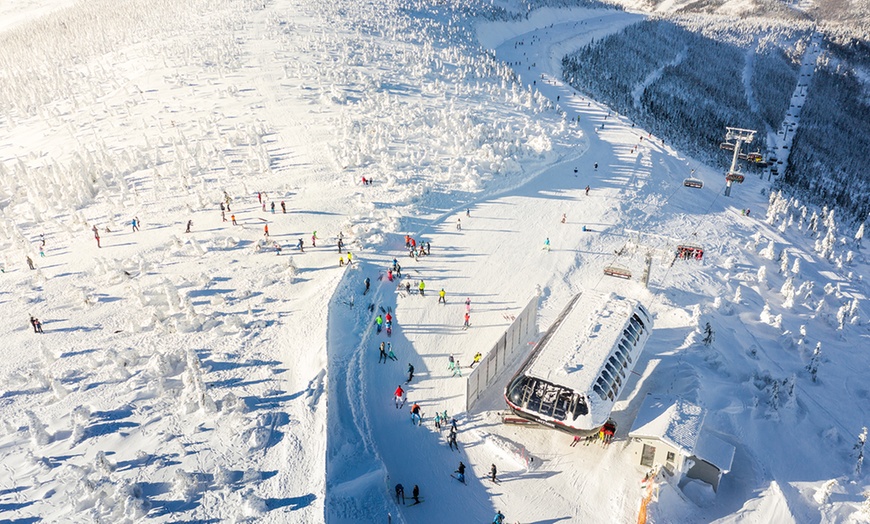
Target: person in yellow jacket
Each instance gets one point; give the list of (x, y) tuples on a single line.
[(422, 287), (441, 299), (477, 357)]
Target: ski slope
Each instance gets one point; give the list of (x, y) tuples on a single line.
[(202, 377)]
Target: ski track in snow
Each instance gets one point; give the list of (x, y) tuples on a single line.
[(639, 89)]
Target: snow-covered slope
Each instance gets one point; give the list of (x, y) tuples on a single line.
[(201, 376)]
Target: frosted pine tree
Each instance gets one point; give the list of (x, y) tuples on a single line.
[(783, 262), (762, 277), (813, 366), (859, 451), (858, 236), (709, 336), (796, 267)]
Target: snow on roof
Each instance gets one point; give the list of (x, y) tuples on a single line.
[(576, 351), (674, 421), (715, 451)]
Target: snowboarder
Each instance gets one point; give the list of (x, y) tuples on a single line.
[(422, 287), (461, 471), (367, 282), (416, 418), (410, 372), (382, 357), (400, 393), (493, 472), (189, 225), (441, 299), (30, 262), (400, 493), (416, 494), (284, 210), (477, 357)]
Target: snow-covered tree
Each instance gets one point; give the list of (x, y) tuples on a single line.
[(859, 235), (761, 277), (783, 262), (769, 252), (813, 366), (859, 451), (738, 296), (796, 267), (709, 336)]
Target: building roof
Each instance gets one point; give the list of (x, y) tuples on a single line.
[(674, 421), (714, 450), (578, 349), (679, 423)]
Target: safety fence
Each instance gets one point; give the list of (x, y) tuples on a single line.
[(502, 354)]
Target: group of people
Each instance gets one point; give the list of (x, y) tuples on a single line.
[(37, 325)]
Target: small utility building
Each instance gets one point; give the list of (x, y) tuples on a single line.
[(668, 431)]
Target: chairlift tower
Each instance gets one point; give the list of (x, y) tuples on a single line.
[(735, 138)]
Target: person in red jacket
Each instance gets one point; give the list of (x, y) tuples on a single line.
[(400, 397)]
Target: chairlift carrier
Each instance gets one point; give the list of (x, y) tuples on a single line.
[(693, 182)]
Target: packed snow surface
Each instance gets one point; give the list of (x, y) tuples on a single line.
[(230, 374)]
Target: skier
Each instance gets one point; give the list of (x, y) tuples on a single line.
[(468, 211), (223, 216), (379, 321), (451, 363), (277, 247), (438, 421), (499, 518), (301, 247), (466, 324), (37, 326), (400, 393), (349, 258), (400, 493), (564, 218), (389, 327), (468, 305), (587, 190), (547, 244), (390, 353), (416, 419), (367, 282), (457, 369), (596, 166), (410, 372), (266, 231), (390, 275), (458, 224), (97, 236), (389, 318), (189, 225), (135, 223), (477, 357), (451, 441), (273, 208), (422, 287), (30, 262), (461, 471), (314, 239), (340, 244), (493, 472), (428, 247), (382, 356), (259, 197), (33, 323), (233, 219), (416, 494), (441, 299)]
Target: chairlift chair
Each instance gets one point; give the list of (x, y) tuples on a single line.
[(734, 177), (690, 251), (617, 271), (693, 182)]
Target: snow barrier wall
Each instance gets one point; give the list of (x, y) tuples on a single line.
[(502, 354)]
